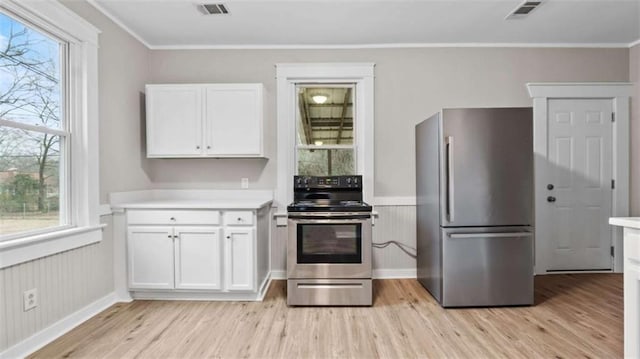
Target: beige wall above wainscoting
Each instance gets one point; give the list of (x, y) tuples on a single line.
[(122, 74), (410, 84)]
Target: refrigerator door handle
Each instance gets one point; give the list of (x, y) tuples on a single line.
[(490, 235), (449, 144)]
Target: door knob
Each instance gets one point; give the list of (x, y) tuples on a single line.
[(549, 186), (551, 199)]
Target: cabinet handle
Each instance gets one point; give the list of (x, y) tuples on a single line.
[(170, 236), (208, 147), (172, 218), (175, 237), (239, 219), (197, 147), (228, 237)]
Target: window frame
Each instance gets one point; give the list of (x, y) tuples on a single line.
[(66, 221), (81, 106), (288, 76)]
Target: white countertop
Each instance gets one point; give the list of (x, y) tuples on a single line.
[(630, 222), (197, 204), (192, 199)]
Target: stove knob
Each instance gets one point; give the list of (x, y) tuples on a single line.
[(349, 180)]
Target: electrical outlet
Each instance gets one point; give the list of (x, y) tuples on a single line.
[(244, 183), (30, 299)]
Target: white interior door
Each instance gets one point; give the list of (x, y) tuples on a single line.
[(579, 189)]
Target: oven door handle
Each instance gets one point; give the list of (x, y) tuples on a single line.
[(314, 220)]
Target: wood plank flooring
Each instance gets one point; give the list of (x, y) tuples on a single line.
[(575, 316)]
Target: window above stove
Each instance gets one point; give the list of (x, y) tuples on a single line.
[(325, 123)]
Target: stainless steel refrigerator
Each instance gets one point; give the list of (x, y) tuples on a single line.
[(474, 189)]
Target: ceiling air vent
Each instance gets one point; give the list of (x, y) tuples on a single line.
[(524, 9), (213, 9)]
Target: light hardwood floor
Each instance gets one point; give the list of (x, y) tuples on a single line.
[(575, 316)]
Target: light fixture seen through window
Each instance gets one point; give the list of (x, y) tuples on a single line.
[(319, 99), (318, 143)]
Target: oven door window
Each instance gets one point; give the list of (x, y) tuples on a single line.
[(329, 243)]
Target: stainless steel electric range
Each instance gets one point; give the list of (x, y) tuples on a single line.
[(329, 243)]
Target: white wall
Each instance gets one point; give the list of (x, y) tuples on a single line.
[(634, 76)]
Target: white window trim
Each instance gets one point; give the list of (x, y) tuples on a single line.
[(619, 93), (82, 92), (288, 77)]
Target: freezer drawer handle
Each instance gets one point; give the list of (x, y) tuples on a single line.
[(490, 235), (449, 142), (329, 285)]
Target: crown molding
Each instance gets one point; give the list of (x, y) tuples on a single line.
[(117, 21), (389, 46)]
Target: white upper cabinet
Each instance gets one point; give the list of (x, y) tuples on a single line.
[(204, 120), (233, 120), (174, 121)]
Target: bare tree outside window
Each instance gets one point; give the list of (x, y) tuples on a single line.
[(32, 130)]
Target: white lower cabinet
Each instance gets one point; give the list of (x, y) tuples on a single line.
[(150, 257), (166, 257), (239, 259), (197, 258)]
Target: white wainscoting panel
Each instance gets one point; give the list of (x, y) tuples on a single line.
[(66, 283), (394, 223), (397, 224)]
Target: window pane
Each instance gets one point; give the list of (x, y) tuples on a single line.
[(322, 162), (30, 86), (29, 180), (325, 116)]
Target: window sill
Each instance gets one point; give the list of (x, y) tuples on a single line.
[(25, 249)]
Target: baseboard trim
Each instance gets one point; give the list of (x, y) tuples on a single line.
[(278, 274), (59, 328), (394, 273)]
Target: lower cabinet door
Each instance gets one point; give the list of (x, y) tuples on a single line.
[(197, 258), (239, 259), (150, 257)]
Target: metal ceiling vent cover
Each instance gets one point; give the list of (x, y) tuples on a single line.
[(213, 9), (523, 9)]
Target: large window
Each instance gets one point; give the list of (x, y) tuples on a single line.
[(34, 134), (325, 143)]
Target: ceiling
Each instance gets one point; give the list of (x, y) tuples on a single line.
[(372, 23)]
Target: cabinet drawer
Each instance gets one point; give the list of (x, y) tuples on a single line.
[(238, 218), (172, 217)]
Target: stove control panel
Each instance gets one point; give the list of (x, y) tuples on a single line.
[(336, 182)]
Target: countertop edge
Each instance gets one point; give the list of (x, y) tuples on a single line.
[(204, 204), (628, 222)]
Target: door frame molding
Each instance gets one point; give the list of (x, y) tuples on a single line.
[(619, 93)]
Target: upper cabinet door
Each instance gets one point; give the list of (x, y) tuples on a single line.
[(233, 120), (174, 120)]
